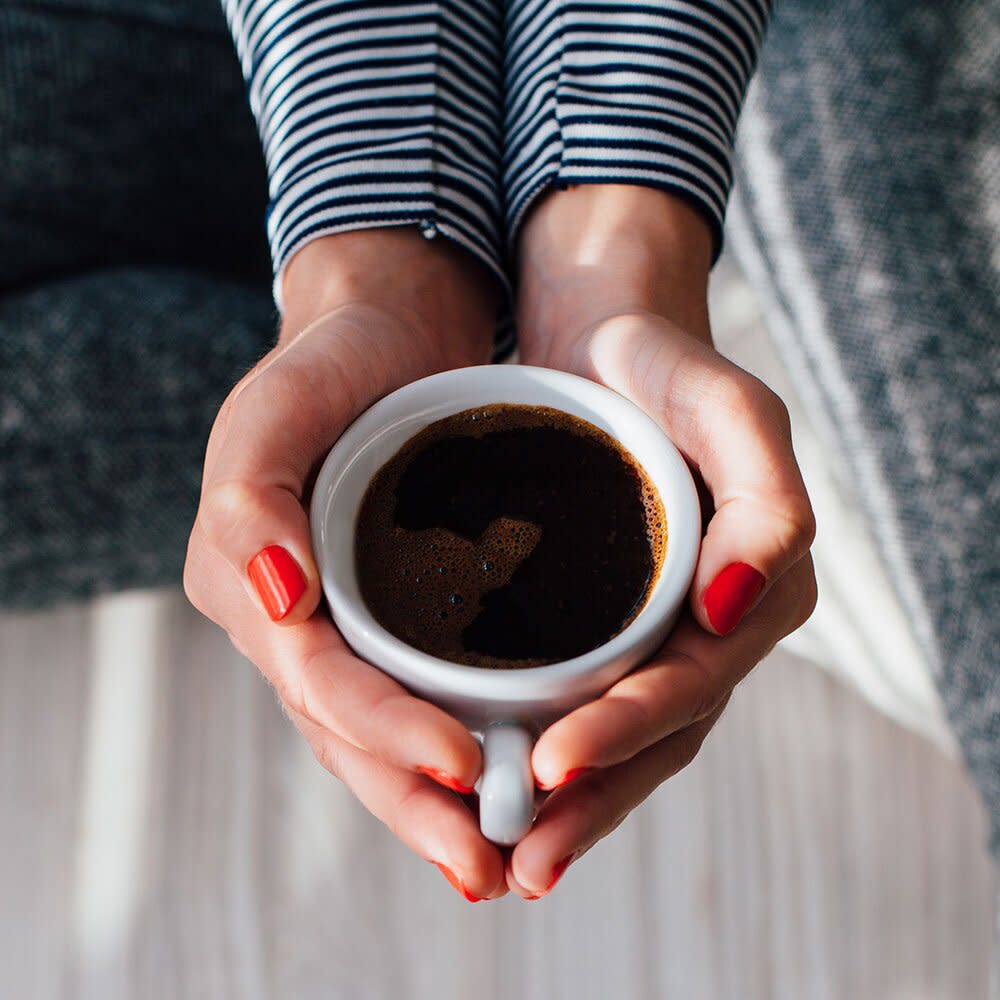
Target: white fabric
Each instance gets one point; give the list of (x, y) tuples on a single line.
[(859, 630)]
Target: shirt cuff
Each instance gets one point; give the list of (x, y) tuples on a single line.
[(374, 115), (620, 93)]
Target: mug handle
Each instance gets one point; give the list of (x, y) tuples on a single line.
[(507, 788)]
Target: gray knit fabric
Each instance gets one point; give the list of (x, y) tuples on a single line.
[(124, 142), (869, 218), (198, 15), (134, 288)]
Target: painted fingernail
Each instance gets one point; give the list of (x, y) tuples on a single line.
[(728, 597), (443, 778), (557, 871), (276, 577), (457, 883), (573, 772)]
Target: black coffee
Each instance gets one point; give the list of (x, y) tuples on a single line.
[(509, 536)]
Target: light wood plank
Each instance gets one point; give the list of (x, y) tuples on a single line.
[(814, 850)]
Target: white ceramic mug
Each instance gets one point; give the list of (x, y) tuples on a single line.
[(506, 709)]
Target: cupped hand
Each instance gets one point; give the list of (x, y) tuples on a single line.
[(613, 286), (365, 313)]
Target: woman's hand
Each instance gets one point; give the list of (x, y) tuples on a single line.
[(614, 287), (366, 312)]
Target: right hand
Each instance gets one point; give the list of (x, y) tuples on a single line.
[(366, 313)]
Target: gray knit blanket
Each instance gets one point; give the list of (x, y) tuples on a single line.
[(869, 221)]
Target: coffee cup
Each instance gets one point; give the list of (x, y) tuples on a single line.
[(506, 709)]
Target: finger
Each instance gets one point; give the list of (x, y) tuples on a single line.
[(277, 421), (432, 822), (683, 683), (736, 432), (575, 818), (274, 428), (317, 675)]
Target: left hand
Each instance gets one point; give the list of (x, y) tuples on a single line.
[(614, 287)]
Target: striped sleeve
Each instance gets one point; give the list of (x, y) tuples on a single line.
[(626, 93), (376, 114)]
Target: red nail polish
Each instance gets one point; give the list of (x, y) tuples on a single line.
[(276, 577), (730, 594), (443, 778), (573, 772), (558, 870), (457, 883)]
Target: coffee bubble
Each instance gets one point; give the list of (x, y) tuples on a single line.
[(508, 536)]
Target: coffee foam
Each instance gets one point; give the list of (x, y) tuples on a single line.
[(426, 585)]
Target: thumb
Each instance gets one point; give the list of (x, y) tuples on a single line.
[(262, 532), (736, 433), (272, 431)]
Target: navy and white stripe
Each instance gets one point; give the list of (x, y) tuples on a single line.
[(376, 114), (626, 92), (394, 113)]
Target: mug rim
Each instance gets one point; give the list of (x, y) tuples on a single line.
[(510, 685)]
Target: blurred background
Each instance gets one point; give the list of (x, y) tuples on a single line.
[(164, 832)]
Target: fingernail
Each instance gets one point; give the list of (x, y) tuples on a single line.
[(443, 778), (558, 870), (573, 772), (728, 597), (457, 883), (276, 577)]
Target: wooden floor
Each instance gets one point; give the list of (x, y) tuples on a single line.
[(165, 834)]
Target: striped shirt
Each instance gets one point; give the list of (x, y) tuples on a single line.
[(454, 115)]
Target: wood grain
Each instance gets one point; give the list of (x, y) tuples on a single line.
[(165, 833)]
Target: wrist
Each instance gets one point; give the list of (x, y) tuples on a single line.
[(433, 288), (595, 251)]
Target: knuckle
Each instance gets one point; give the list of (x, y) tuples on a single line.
[(704, 706), (704, 698), (689, 748), (290, 686), (325, 752), (623, 326), (808, 596), (400, 818), (226, 506), (306, 687), (196, 586), (388, 712), (797, 529), (592, 795), (639, 719), (743, 395), (705, 702), (802, 520), (238, 644), (773, 408), (191, 581), (682, 748), (739, 393)]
